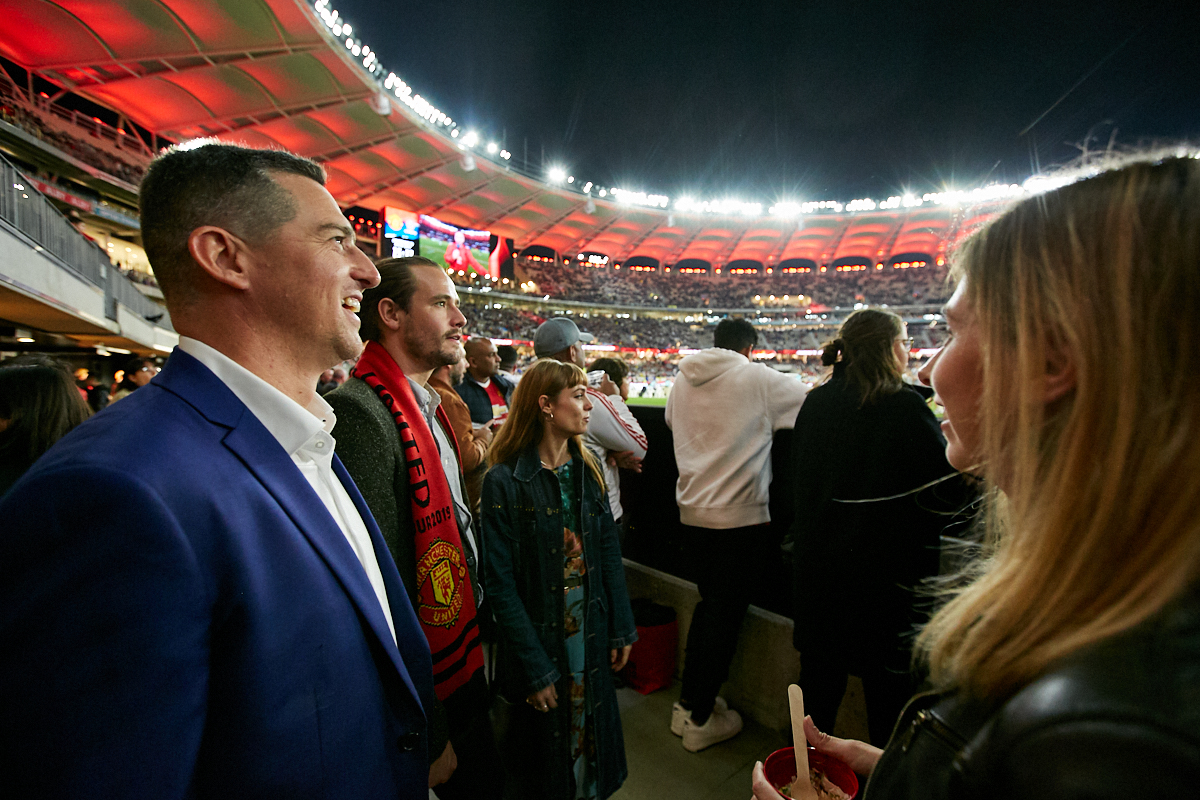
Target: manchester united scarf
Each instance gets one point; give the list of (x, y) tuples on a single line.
[(445, 599)]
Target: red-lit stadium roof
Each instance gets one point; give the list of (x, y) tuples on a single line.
[(267, 73)]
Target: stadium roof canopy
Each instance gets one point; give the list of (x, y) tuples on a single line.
[(268, 73)]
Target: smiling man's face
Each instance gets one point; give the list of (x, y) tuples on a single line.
[(310, 279), (431, 331)]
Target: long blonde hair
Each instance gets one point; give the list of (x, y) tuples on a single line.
[(1099, 525), (525, 424)]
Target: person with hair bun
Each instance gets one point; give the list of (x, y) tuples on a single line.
[(1066, 660), (871, 502), (557, 588)]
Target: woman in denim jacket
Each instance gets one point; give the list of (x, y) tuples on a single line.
[(556, 585)]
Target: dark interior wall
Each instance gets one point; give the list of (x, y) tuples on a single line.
[(658, 540)]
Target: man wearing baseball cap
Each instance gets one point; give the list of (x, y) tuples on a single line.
[(560, 338), (613, 434)]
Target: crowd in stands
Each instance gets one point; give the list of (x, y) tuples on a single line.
[(137, 276), (14, 114), (486, 319), (896, 287)]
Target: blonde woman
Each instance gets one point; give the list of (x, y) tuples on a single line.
[(556, 585), (1069, 667)]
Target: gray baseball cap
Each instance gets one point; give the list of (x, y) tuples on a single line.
[(555, 335)]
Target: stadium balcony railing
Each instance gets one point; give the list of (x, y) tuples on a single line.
[(74, 136), (27, 212)]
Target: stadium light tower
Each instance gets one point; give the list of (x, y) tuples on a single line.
[(556, 174)]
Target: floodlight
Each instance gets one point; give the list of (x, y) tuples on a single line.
[(556, 174), (492, 147), (471, 139)]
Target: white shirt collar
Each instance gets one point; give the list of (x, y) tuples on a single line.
[(427, 400), (291, 424)]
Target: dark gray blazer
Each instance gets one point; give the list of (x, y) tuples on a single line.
[(368, 444)]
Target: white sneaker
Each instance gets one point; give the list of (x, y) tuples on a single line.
[(721, 725), (679, 714)]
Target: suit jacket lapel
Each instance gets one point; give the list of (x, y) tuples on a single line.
[(264, 457), (273, 467), (410, 639)]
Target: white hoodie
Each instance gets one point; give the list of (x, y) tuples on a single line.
[(724, 411)]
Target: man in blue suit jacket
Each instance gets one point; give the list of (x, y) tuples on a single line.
[(194, 599)]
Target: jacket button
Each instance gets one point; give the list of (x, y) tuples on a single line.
[(409, 741), (548, 512), (553, 549)]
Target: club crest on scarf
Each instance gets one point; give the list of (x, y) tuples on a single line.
[(440, 574)]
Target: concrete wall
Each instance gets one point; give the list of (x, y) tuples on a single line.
[(765, 662)]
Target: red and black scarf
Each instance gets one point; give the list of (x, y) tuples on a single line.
[(445, 599)]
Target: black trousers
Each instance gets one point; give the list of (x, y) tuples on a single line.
[(886, 690), (480, 773), (728, 564)]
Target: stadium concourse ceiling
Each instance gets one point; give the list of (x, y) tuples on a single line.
[(268, 73)]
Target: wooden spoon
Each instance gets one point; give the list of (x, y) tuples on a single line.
[(801, 787)]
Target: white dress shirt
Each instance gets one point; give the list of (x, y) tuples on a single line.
[(428, 401), (304, 435)]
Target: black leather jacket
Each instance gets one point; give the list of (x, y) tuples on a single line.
[(1120, 719)]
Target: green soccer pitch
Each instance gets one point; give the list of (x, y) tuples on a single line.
[(647, 401)]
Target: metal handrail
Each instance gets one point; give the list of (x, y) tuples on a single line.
[(30, 213)]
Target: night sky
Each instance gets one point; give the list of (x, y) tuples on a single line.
[(766, 101)]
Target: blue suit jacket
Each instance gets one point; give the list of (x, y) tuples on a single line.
[(181, 616)]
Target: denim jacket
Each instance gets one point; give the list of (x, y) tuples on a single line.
[(523, 531)]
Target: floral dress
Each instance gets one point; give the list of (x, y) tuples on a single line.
[(582, 743)]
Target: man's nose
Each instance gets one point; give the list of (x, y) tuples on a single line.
[(364, 271)]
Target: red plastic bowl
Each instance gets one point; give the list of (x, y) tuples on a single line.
[(780, 767)]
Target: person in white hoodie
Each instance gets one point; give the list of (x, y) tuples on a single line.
[(724, 410)]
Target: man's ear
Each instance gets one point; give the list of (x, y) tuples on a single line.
[(1060, 372), (391, 315), (221, 255)]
